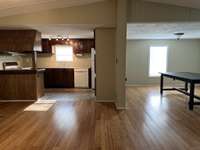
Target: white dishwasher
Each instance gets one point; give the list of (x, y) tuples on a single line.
[(81, 78)]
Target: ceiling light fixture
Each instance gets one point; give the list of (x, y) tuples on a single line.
[(179, 35), (68, 38), (59, 37)]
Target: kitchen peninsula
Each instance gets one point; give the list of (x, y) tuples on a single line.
[(21, 84), (18, 83)]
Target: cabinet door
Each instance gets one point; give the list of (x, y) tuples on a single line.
[(88, 45), (78, 47), (83, 46), (46, 46), (59, 78)]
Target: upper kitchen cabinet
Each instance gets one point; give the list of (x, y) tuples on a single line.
[(82, 46), (20, 40), (46, 46)]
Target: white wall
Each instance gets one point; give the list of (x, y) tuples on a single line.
[(183, 56), (105, 64), (120, 46)]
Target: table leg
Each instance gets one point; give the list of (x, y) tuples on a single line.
[(161, 84), (191, 101)]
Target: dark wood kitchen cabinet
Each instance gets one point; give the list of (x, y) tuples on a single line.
[(59, 78), (46, 46), (21, 85), (20, 41), (83, 46), (80, 46)]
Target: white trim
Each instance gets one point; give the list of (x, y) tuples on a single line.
[(12, 101), (120, 107), (112, 101), (153, 84), (147, 84), (105, 101)]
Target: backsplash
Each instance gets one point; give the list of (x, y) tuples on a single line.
[(4, 58), (49, 61), (46, 61)]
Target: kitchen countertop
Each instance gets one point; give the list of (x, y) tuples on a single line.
[(22, 71)]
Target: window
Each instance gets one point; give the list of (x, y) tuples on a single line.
[(158, 61), (64, 53)]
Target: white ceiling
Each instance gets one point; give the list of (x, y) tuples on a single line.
[(163, 30), (14, 7), (65, 31), (185, 3)]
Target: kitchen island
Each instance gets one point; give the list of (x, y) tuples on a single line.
[(21, 85)]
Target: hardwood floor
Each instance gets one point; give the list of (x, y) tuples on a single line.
[(161, 123), (78, 123)]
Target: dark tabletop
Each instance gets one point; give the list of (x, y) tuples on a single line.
[(183, 75)]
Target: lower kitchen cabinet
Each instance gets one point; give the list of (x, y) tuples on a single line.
[(21, 85), (59, 78)]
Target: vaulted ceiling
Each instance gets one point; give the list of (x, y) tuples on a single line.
[(185, 3), (14, 7), (64, 31), (163, 30)]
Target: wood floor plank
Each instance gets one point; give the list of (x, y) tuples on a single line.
[(73, 121)]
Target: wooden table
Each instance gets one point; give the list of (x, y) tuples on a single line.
[(188, 78)]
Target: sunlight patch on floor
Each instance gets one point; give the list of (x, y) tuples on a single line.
[(41, 105), (155, 101), (65, 118)]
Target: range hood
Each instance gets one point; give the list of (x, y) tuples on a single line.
[(20, 41)]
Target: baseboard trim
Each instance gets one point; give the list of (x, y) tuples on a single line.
[(105, 101), (120, 107), (138, 85), (112, 101), (13, 101), (154, 84)]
